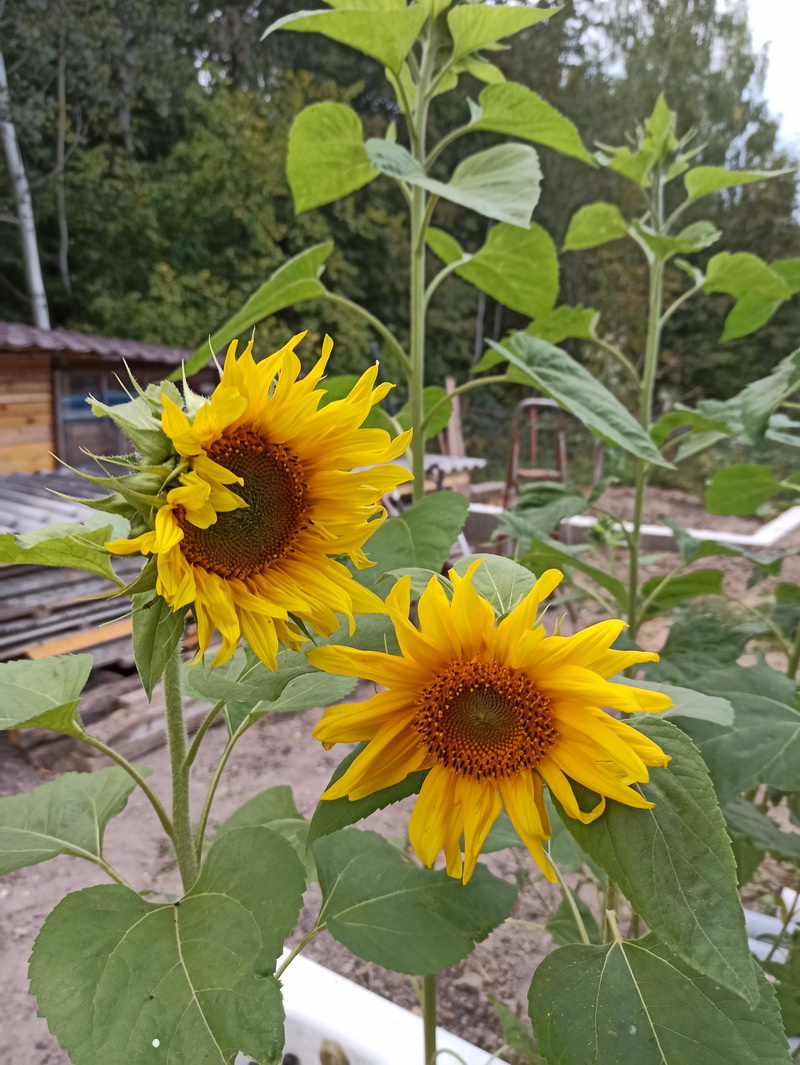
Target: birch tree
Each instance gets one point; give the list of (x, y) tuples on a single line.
[(24, 206)]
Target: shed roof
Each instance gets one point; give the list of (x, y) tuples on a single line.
[(14, 336)]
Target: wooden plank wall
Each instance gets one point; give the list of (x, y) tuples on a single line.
[(26, 413)]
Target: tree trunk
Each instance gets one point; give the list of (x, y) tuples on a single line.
[(22, 197)]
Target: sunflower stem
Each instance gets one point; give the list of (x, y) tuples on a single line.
[(135, 775), (176, 735), (794, 655), (429, 1016), (646, 391), (576, 913), (420, 217), (610, 903)]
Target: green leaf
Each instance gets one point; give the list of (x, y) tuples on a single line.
[(741, 489), (333, 814), (763, 745), (420, 579), (596, 224), (756, 403), (694, 645), (66, 816), (274, 809), (442, 244), (475, 26), (688, 702), (112, 972), (157, 630), (421, 536), (431, 396), (563, 323), (635, 166), (517, 267), (546, 553), (563, 927), (500, 182), (745, 820), (515, 1033), (758, 289), (678, 589), (677, 419), (327, 158), (704, 180), (44, 693), (517, 111), (71, 546), (559, 376), (295, 281), (674, 862), (387, 38), (501, 581), (136, 420), (306, 692), (637, 1002), (788, 270), (693, 238), (406, 919)]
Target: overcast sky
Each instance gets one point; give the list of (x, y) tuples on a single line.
[(776, 23)]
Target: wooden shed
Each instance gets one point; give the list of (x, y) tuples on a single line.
[(45, 377)]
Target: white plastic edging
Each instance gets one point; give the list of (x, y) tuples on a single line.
[(321, 1005)]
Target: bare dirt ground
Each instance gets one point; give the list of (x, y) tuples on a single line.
[(280, 750)]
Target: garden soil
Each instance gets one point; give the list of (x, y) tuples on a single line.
[(280, 750)]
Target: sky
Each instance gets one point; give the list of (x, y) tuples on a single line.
[(776, 23)]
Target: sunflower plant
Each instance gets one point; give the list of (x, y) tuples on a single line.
[(257, 514)]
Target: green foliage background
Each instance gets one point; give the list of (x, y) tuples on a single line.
[(177, 207)]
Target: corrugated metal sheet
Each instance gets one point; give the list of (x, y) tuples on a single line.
[(14, 336)]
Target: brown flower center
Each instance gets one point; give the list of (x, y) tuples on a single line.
[(484, 720), (243, 542)]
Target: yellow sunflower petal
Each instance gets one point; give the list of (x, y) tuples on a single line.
[(427, 828), (523, 616), (481, 803)]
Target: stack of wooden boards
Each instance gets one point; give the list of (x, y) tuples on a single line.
[(49, 611)]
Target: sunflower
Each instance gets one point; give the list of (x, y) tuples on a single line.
[(491, 711), (265, 496)]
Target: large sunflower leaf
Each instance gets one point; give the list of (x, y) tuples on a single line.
[(296, 280), (675, 863), (516, 110), (763, 744), (420, 537), (741, 489), (501, 581), (275, 809), (638, 1002), (500, 182), (404, 918), (44, 693), (558, 375), (474, 26), (326, 158), (703, 180), (517, 267), (387, 37), (65, 816), (123, 980), (71, 546)]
